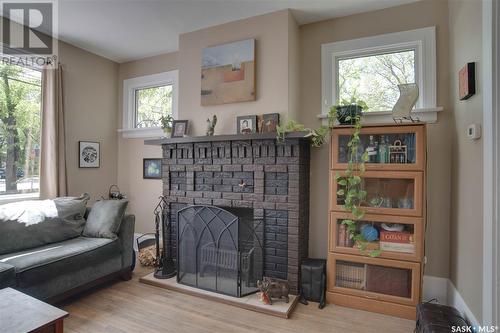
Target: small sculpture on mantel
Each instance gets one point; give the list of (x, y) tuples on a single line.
[(408, 96), (273, 288), (211, 125)]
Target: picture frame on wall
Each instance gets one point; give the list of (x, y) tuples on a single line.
[(246, 124), (467, 81), (89, 154), (151, 168), (179, 128)]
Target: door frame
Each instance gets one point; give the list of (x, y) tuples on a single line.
[(491, 155)]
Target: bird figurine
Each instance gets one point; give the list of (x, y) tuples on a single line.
[(211, 125)]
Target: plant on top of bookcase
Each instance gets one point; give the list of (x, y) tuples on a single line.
[(350, 185)]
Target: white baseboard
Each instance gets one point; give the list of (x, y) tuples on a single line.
[(445, 292)]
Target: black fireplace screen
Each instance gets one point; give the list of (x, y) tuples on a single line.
[(220, 250)]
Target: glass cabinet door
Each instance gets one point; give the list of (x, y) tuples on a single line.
[(397, 237), (374, 278), (393, 193), (402, 146)]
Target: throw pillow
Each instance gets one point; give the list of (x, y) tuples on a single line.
[(29, 224), (105, 218)]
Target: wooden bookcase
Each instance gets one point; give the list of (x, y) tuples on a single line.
[(390, 283)]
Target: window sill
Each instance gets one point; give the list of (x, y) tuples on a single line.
[(9, 198), (132, 133), (426, 115)]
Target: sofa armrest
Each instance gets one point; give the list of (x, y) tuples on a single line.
[(126, 239), (7, 275)]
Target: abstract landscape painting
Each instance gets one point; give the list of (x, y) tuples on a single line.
[(228, 73)]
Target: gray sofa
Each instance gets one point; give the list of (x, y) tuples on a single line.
[(55, 271)]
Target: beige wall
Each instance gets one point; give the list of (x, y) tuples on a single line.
[(467, 158), (417, 15), (90, 100), (271, 34), (142, 193)]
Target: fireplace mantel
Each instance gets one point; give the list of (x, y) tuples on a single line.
[(229, 137), (246, 171)]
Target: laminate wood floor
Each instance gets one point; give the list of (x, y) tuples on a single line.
[(131, 306)]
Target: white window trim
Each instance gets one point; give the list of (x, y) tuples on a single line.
[(423, 41), (148, 81)]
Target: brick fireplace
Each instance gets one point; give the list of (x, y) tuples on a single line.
[(246, 171)]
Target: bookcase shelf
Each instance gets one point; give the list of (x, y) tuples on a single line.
[(395, 185)]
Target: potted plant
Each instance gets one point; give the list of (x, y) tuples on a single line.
[(348, 110), (166, 124)]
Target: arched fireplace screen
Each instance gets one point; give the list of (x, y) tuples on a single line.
[(220, 250)]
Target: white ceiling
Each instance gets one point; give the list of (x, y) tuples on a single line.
[(124, 30)]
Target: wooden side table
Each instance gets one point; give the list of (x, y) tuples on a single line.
[(20, 313)]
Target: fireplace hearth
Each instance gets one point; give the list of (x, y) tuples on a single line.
[(230, 174), (220, 250)]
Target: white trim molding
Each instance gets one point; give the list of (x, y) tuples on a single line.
[(148, 81), (491, 163), (422, 41)]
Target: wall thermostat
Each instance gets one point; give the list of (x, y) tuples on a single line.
[(474, 131)]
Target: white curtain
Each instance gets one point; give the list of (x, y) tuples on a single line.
[(53, 179)]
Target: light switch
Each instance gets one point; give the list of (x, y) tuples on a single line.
[(474, 131)]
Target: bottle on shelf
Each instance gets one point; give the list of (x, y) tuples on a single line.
[(383, 151), (372, 150)]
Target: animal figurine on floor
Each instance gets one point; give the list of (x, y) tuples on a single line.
[(211, 125), (273, 288)]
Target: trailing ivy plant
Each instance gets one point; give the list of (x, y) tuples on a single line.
[(350, 187), (317, 136)]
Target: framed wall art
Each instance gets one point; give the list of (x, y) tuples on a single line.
[(89, 153), (467, 81), (151, 168), (228, 73)]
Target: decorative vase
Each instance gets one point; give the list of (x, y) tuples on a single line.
[(167, 131), (345, 111)]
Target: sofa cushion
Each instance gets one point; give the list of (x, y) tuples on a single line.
[(104, 218), (7, 276), (50, 253), (28, 224), (55, 268)]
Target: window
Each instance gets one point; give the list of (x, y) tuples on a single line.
[(20, 131), (145, 100), (371, 68), (375, 78), (151, 104)]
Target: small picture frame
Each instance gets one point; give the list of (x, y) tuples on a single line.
[(268, 122), (151, 168), (246, 124), (89, 154), (467, 81), (179, 128)]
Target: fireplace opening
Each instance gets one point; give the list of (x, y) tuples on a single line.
[(220, 250)]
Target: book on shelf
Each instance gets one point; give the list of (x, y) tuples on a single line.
[(342, 234), (344, 238), (397, 241), (397, 247), (404, 237)]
